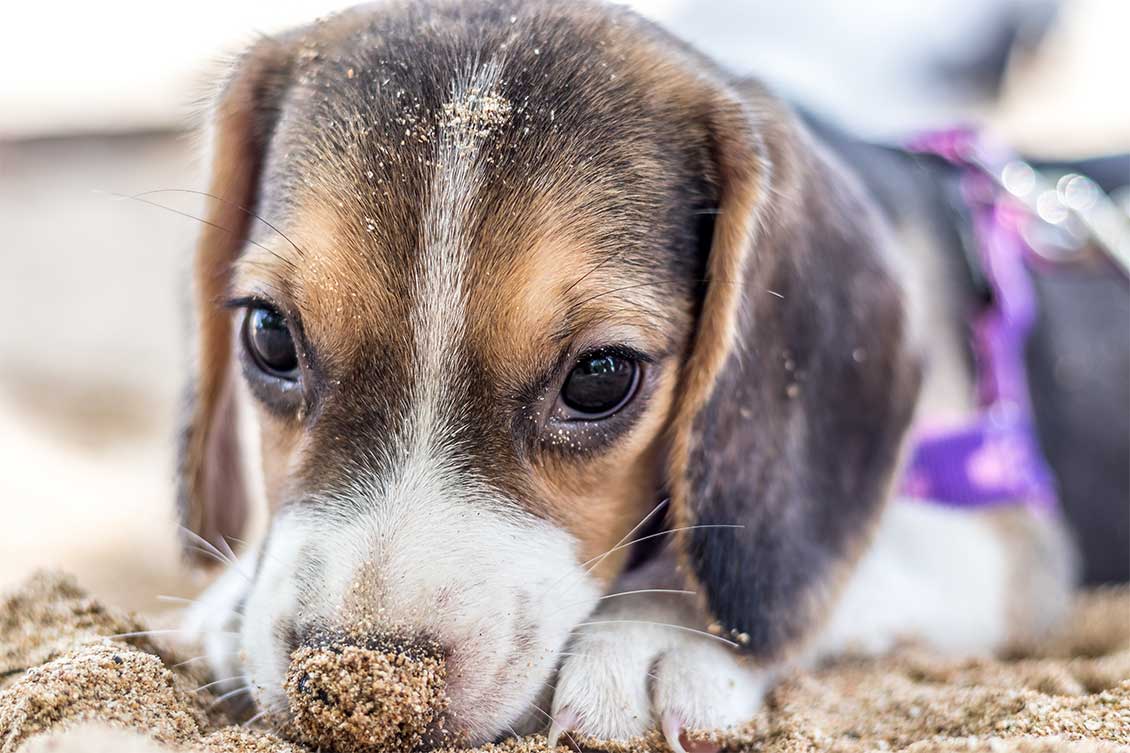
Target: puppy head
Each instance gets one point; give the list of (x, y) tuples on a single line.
[(526, 267)]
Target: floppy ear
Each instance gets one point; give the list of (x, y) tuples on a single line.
[(212, 494), (798, 387)]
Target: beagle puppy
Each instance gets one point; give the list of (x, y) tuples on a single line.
[(580, 359)]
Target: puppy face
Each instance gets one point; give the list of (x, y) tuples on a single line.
[(488, 273), (460, 335)]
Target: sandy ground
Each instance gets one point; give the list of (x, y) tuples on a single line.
[(65, 687)]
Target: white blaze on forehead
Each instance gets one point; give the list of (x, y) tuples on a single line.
[(472, 112)]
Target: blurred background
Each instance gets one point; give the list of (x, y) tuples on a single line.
[(99, 101)]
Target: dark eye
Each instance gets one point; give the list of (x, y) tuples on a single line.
[(268, 340), (600, 384)]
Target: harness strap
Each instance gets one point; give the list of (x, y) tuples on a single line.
[(995, 459)]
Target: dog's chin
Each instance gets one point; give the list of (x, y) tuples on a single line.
[(497, 593)]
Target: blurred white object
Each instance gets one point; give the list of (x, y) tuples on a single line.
[(880, 67), (128, 64)]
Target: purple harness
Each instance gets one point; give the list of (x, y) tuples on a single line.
[(995, 458)]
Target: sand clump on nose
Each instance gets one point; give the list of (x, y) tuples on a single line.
[(353, 699)]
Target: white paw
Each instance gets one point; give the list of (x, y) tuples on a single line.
[(627, 676), (213, 623)]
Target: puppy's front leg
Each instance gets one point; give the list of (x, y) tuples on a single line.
[(641, 662)]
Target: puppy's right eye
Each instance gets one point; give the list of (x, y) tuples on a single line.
[(267, 338)]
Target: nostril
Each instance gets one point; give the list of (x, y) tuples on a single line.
[(379, 694)]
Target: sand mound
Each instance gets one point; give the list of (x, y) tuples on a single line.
[(65, 688)]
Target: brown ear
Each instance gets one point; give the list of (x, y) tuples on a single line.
[(212, 493), (798, 388)]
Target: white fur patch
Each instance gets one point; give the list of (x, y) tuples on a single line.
[(933, 574), (444, 557), (470, 114)]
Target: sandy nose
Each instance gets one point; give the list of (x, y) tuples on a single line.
[(385, 695)]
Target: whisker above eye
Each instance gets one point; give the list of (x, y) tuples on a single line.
[(140, 199), (222, 200), (598, 265), (668, 281)]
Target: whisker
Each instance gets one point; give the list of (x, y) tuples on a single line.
[(576, 577), (643, 521), (261, 552), (208, 545), (667, 532), (176, 599), (257, 717), (650, 591), (565, 732), (696, 631), (164, 631), (228, 550), (243, 209), (238, 691), (598, 265), (590, 656), (217, 682), (201, 220), (235, 561), (670, 281), (210, 554), (661, 505), (168, 598), (186, 662), (628, 593)]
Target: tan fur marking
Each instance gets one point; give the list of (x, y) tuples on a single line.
[(601, 500)]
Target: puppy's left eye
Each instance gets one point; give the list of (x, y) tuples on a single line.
[(599, 385), (267, 337)]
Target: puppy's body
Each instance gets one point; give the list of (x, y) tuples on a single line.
[(470, 205)]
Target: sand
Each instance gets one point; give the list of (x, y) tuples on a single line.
[(66, 688)]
